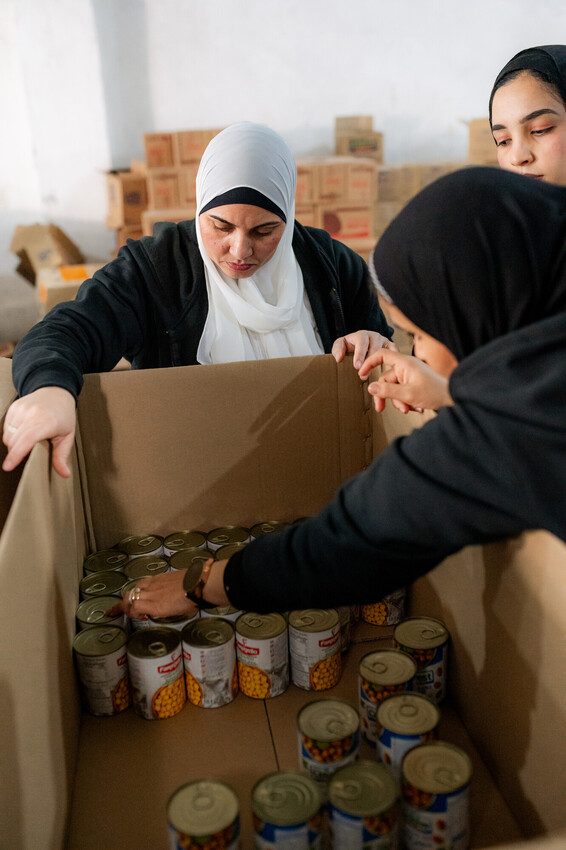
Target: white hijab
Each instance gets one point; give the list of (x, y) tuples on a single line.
[(268, 314)]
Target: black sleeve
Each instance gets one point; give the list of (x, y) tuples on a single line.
[(357, 294)]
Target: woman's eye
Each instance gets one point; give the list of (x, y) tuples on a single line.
[(541, 131), (500, 143)]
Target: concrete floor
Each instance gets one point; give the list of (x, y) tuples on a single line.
[(19, 308)]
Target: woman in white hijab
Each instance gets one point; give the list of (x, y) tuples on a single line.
[(243, 281)]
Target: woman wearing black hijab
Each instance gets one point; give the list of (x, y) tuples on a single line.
[(527, 111), (484, 275)]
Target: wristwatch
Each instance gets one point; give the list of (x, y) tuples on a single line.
[(193, 585)]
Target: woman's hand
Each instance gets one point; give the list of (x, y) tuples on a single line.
[(361, 344), (408, 382), (46, 414)]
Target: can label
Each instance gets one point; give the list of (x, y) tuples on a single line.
[(430, 678), (226, 612), (371, 695), (431, 821), (104, 682), (158, 684), (364, 833), (263, 669), (210, 674), (227, 839), (387, 612), (321, 759), (316, 663), (304, 836), (391, 747), (345, 615)]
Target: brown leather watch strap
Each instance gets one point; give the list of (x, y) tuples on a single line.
[(195, 593)]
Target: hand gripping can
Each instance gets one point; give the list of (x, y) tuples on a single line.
[(136, 546), (363, 807), (155, 661), (404, 721), (209, 658), (287, 813), (145, 566), (314, 648), (103, 669), (381, 673), (426, 640), (263, 660), (179, 540), (227, 534), (328, 737), (103, 560), (203, 815), (435, 789)]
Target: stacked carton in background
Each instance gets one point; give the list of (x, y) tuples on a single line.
[(481, 147), (354, 136)]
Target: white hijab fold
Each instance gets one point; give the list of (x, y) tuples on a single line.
[(268, 314)]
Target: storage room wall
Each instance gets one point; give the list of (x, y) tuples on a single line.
[(81, 80)]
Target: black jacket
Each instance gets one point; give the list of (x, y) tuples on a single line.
[(150, 306)]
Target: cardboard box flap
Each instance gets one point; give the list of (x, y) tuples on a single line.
[(157, 456)]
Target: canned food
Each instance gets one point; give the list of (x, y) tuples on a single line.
[(314, 648), (155, 661), (136, 546), (108, 583), (225, 552), (178, 623), (209, 658), (435, 789), (146, 565), (103, 669), (136, 623), (426, 640), (363, 807), (260, 529), (224, 611), (184, 540), (190, 559), (345, 617), (261, 648), (404, 721), (329, 737), (92, 612), (387, 612), (228, 534), (286, 811), (381, 674), (104, 560), (203, 815)]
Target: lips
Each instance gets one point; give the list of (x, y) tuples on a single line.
[(240, 267)]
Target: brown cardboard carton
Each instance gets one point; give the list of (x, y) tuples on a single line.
[(138, 166), (127, 198), (481, 146), (163, 188), (306, 190), (347, 223), (398, 182), (366, 144), (151, 217), (40, 246), (125, 233), (62, 284), (346, 124), (385, 212), (307, 215), (159, 150), (187, 185), (363, 247), (344, 179), (189, 145), (434, 170)]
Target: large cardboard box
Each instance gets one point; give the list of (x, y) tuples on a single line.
[(151, 217), (346, 180), (127, 198), (189, 145), (41, 246), (481, 146), (62, 284), (163, 189), (398, 183), (159, 151), (148, 459), (345, 124), (366, 144), (346, 222)]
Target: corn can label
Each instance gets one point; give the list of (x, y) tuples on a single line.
[(364, 833), (263, 668), (158, 684), (104, 682), (430, 678), (345, 615), (371, 695), (304, 836), (316, 663), (387, 612), (432, 821), (227, 839), (210, 674)]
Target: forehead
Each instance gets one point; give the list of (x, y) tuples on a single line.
[(243, 215), (524, 94)]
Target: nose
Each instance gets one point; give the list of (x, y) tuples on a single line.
[(241, 246), (521, 153)]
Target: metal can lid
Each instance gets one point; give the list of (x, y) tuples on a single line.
[(260, 529), (104, 559), (437, 768), (191, 539), (210, 631), (102, 584), (328, 720), (363, 789), (220, 611), (100, 640), (408, 714), (154, 642), (228, 534), (175, 620), (421, 633), (190, 559), (146, 565), (225, 552), (93, 611), (201, 808), (387, 667), (143, 544), (314, 619), (286, 798), (260, 626)]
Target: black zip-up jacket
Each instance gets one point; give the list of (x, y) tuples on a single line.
[(150, 304)]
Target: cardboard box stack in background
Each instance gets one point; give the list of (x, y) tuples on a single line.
[(42, 246), (354, 136), (481, 146), (127, 199), (62, 283)]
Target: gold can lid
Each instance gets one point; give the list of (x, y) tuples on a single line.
[(154, 642), (260, 529), (103, 560), (327, 720), (191, 539), (421, 633), (286, 798), (363, 789), (146, 565), (437, 768), (106, 583), (260, 626), (202, 808), (193, 559), (99, 640), (387, 667), (408, 714), (92, 612), (314, 619), (207, 632), (227, 534), (225, 552), (144, 544)]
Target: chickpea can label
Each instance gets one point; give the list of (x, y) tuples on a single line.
[(426, 640), (328, 737), (314, 648), (261, 646), (155, 661), (363, 807), (381, 674), (209, 658), (103, 669), (204, 814), (387, 612), (287, 812), (404, 721)]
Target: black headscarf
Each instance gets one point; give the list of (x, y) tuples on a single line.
[(549, 60), (475, 255)]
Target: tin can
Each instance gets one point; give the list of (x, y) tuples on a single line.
[(203, 814), (190, 559), (177, 623), (178, 540), (92, 612), (103, 669), (381, 674), (261, 529), (286, 810), (136, 623), (155, 661), (104, 560), (328, 736), (435, 789), (387, 612), (261, 648), (109, 583), (224, 611), (345, 617), (228, 534), (314, 648), (137, 545), (404, 721), (209, 658), (363, 807), (225, 552), (145, 566), (426, 640)]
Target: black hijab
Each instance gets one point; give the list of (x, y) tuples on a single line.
[(549, 61), (475, 255)]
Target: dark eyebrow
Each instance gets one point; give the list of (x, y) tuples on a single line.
[(527, 118), (263, 224)]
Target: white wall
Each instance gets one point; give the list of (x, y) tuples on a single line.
[(81, 80)]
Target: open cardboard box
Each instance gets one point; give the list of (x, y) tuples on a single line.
[(236, 443)]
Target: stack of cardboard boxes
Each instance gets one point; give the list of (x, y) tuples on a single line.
[(481, 147), (354, 136)]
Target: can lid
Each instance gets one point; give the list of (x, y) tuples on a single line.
[(387, 667), (286, 798), (104, 559), (93, 611), (260, 529), (314, 619), (363, 789), (185, 539), (154, 642), (408, 714), (143, 544), (210, 631), (328, 720), (260, 626), (202, 808), (421, 633), (99, 640), (225, 552), (175, 619), (146, 565), (228, 534), (437, 768), (190, 559), (102, 584)]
